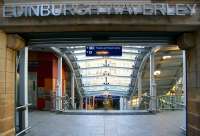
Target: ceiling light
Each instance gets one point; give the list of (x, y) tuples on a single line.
[(167, 57), (157, 72), (156, 49)]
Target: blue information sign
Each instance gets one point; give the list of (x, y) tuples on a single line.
[(103, 50)]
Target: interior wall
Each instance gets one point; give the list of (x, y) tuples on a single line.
[(46, 66)]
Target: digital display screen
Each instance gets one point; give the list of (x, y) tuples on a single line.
[(103, 50)]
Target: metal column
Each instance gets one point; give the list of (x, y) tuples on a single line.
[(93, 102), (139, 89), (81, 103), (184, 89), (89, 101), (59, 85), (73, 90), (153, 100), (86, 103), (125, 103), (121, 103), (23, 87)]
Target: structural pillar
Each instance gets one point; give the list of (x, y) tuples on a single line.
[(121, 103), (89, 100), (184, 90), (9, 44), (191, 43), (59, 85), (93, 102), (153, 100), (73, 90), (23, 87), (125, 103), (139, 89), (81, 103), (86, 103)]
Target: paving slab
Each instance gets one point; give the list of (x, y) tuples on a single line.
[(52, 124)]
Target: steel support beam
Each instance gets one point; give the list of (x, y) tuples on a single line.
[(105, 86), (93, 102), (72, 43), (125, 103), (110, 58), (121, 101), (81, 103), (59, 85), (23, 87), (67, 60), (153, 101), (184, 89), (108, 67), (139, 88), (124, 52), (73, 90), (86, 103), (115, 76)]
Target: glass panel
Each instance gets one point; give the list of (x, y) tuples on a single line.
[(120, 63), (92, 63), (119, 81), (94, 81), (104, 88), (130, 50), (106, 73), (106, 70), (84, 57)]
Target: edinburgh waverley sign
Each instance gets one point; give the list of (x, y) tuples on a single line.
[(84, 9)]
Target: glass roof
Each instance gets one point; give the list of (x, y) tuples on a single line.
[(100, 74)]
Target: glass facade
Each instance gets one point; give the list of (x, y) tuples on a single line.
[(101, 74)]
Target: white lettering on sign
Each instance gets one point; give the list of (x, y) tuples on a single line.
[(83, 9)]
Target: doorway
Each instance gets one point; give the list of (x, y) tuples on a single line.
[(167, 73)]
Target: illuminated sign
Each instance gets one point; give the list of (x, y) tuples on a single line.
[(66, 9), (103, 50)]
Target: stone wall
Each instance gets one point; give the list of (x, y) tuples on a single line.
[(8, 46), (100, 22), (193, 88), (7, 88)]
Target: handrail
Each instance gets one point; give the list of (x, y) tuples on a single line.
[(23, 131), (23, 106)]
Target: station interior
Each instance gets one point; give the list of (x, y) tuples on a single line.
[(146, 80)]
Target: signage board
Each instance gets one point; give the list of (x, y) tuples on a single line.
[(67, 9), (103, 50)]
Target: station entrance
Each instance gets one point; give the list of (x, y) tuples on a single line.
[(148, 77)]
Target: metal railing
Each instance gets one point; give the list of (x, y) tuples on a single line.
[(61, 103), (19, 111), (165, 102), (174, 102)]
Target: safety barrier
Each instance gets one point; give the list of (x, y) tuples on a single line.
[(61, 103), (174, 102), (165, 102), (19, 112)]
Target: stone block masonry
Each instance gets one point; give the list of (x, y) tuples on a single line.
[(7, 86), (193, 88)]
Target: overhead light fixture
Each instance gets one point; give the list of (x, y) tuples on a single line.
[(157, 73), (156, 49), (167, 57)]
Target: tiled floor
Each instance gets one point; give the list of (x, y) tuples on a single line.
[(51, 124)]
